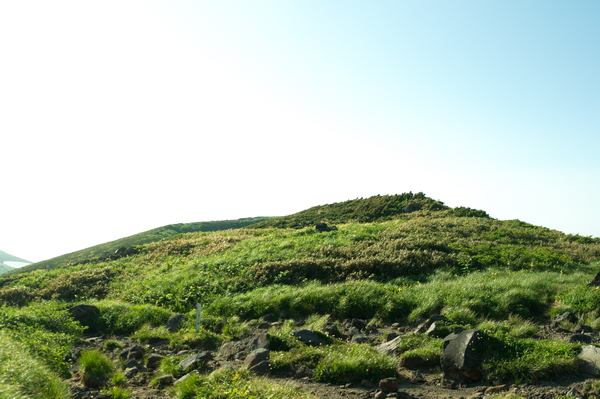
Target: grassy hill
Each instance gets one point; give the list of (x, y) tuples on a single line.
[(105, 251), (398, 258)]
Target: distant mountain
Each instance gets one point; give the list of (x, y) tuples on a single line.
[(124, 246), (10, 262)]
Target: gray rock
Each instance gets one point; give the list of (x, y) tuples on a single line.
[(391, 347), (563, 317), (590, 360), (167, 379), (580, 338), (258, 361), (195, 361), (82, 312), (135, 352), (175, 322), (240, 349), (423, 327), (359, 339), (154, 361), (309, 337), (458, 356)]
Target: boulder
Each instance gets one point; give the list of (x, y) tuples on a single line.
[(458, 359), (322, 227), (135, 352), (240, 349), (258, 361), (154, 361), (359, 339), (390, 347), (563, 317), (389, 385), (174, 323), (309, 337), (84, 314), (590, 360), (580, 339), (195, 361)]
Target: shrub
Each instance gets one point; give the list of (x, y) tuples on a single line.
[(86, 283), (16, 296)]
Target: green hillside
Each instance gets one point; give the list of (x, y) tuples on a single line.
[(393, 260), (107, 250)]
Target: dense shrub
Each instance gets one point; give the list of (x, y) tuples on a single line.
[(87, 283)]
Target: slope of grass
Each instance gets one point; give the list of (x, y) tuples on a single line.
[(103, 250), (392, 258)]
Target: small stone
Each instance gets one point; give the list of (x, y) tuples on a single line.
[(367, 384), (390, 384), (167, 379)]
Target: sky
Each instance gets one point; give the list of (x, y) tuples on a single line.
[(120, 116)]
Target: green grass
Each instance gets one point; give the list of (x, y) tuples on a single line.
[(23, 376), (96, 369), (224, 383), (392, 259)]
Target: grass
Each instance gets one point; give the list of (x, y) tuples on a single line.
[(392, 259), (227, 383), (23, 376), (96, 369)]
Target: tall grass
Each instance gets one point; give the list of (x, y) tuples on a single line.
[(22, 376)]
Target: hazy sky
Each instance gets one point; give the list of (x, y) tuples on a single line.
[(119, 116)]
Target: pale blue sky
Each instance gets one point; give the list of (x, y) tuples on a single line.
[(122, 116)]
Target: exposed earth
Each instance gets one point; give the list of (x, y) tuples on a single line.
[(412, 383)]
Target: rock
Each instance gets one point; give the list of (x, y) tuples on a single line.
[(84, 314), (595, 282), (580, 338), (333, 331), (265, 325), (380, 395), (423, 327), (133, 364), (175, 322), (359, 339), (132, 352), (367, 384), (185, 377), (495, 389), (258, 361), (563, 317), (391, 347), (389, 385), (154, 361), (240, 349), (590, 360), (195, 361), (458, 356), (95, 381), (309, 337), (164, 380), (322, 227)]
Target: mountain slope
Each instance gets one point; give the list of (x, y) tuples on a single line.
[(104, 251)]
